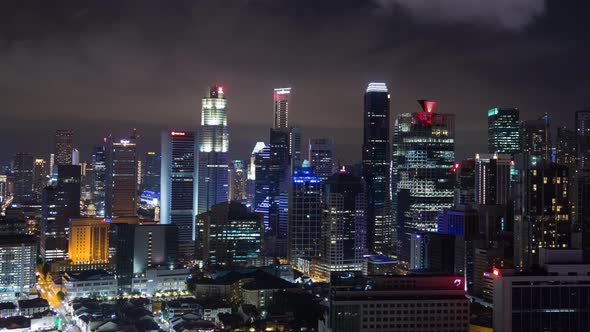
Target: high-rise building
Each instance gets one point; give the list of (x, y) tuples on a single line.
[(295, 140), (63, 146), (432, 252), (3, 188), (237, 181), (583, 139), (320, 157), (566, 147), (536, 137), (503, 130), (99, 179), (121, 178), (88, 241), (39, 179), (343, 233), (305, 209), (18, 254), (178, 187), (376, 167), (554, 297), (423, 170), (396, 303), (231, 234), (465, 182), (282, 97), (75, 157), (492, 179), (22, 170), (212, 158), (151, 172), (542, 209)]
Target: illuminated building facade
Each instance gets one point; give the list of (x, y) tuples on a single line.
[(296, 137), (151, 172), (282, 97), (63, 146), (542, 210), (232, 235), (99, 179), (121, 178), (18, 254), (3, 188), (178, 188), (213, 143), (582, 178), (465, 182), (343, 225), (88, 241), (305, 209), (237, 181), (492, 179), (320, 157), (376, 167), (22, 171), (503, 130), (423, 169), (60, 203)]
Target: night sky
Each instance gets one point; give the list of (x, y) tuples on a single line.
[(104, 67)]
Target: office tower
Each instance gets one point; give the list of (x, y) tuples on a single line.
[(583, 139), (376, 167), (536, 137), (39, 179), (396, 303), (178, 188), (18, 254), (88, 241), (237, 181), (320, 157), (295, 141), (492, 179), (22, 170), (121, 177), (432, 252), (212, 153), (305, 209), (261, 176), (151, 172), (542, 209), (52, 168), (63, 146), (99, 179), (282, 97), (232, 235), (343, 232), (552, 298), (3, 188), (582, 178), (75, 157), (423, 170), (465, 182), (251, 186), (566, 147), (503, 130)]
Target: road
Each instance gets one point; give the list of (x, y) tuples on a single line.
[(47, 290)]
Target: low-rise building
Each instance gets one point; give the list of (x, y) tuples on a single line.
[(7, 309), (396, 303), (160, 280), (28, 308), (94, 283)]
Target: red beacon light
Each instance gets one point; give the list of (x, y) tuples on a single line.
[(220, 89), (496, 272)]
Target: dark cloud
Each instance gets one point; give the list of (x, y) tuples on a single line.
[(106, 66)]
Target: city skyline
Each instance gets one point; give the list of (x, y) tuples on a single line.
[(370, 48)]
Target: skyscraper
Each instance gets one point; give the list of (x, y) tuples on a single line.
[(63, 146), (503, 130), (465, 182), (296, 135), (583, 139), (23, 177), (121, 178), (237, 181), (39, 179), (18, 255), (178, 187), (582, 178), (536, 137), (423, 169), (376, 167), (343, 235), (305, 208), (213, 143), (282, 97), (151, 172), (320, 157), (492, 179), (99, 179)]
